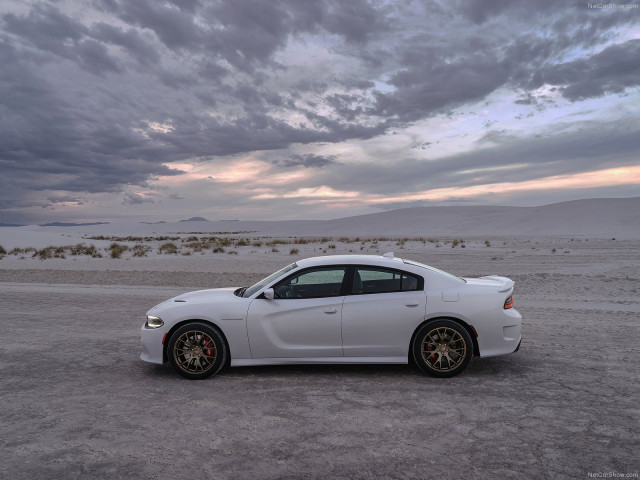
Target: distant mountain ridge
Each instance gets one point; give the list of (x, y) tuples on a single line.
[(600, 217), (62, 224)]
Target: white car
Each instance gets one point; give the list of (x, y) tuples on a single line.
[(337, 309)]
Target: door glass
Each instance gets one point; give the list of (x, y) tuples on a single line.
[(373, 280), (319, 282)]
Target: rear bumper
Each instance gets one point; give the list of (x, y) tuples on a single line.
[(518, 347), (500, 334)]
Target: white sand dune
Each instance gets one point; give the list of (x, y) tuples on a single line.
[(597, 218)]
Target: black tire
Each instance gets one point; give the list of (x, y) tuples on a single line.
[(442, 348), (197, 351)]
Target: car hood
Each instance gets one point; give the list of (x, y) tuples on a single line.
[(210, 295), (213, 295)]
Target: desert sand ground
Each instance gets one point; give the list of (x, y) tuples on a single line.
[(78, 403)]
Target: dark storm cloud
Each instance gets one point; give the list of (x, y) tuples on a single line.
[(45, 143), (512, 159), (612, 70), (431, 87), (435, 77), (308, 161), (47, 29), (140, 48), (80, 93), (135, 199), (173, 26)]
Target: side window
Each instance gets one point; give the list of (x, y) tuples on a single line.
[(378, 280), (315, 283)]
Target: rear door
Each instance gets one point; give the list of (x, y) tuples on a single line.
[(380, 316)]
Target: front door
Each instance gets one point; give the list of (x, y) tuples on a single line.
[(304, 320)]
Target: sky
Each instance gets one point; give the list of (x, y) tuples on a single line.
[(120, 110)]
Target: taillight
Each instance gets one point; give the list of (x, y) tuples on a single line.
[(508, 303)]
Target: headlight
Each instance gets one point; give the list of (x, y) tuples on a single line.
[(153, 322)]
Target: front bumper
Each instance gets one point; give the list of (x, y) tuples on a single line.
[(152, 348)]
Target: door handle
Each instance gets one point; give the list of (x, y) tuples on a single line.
[(330, 310), (411, 305)]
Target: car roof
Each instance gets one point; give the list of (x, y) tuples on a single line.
[(376, 260)]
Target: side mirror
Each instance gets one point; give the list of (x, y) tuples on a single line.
[(268, 294)]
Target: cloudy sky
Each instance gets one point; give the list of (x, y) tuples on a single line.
[(278, 109)]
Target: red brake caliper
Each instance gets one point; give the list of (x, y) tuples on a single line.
[(208, 350), (433, 356)]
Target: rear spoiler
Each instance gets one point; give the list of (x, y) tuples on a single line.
[(507, 282)]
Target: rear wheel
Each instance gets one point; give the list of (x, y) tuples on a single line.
[(197, 351), (442, 348)]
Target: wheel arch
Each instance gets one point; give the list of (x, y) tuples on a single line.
[(470, 330), (165, 356)]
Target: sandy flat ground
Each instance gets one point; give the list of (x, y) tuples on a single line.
[(78, 403)]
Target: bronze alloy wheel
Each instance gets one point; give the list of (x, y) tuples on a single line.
[(442, 348), (197, 350)]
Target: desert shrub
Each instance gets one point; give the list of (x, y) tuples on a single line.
[(218, 250), (117, 250), (140, 250), (224, 242), (277, 241), (294, 251), (553, 250), (82, 249), (343, 239), (275, 250), (50, 252), (326, 239), (487, 243), (242, 243), (168, 247), (331, 245), (2, 251), (232, 252), (256, 244), (455, 243), (17, 251)]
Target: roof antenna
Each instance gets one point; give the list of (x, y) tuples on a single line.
[(388, 255)]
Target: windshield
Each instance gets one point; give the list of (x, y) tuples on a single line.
[(265, 281), (422, 265)]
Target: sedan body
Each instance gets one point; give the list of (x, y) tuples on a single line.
[(337, 309)]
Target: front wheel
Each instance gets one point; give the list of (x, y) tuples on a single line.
[(442, 348), (197, 351)]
